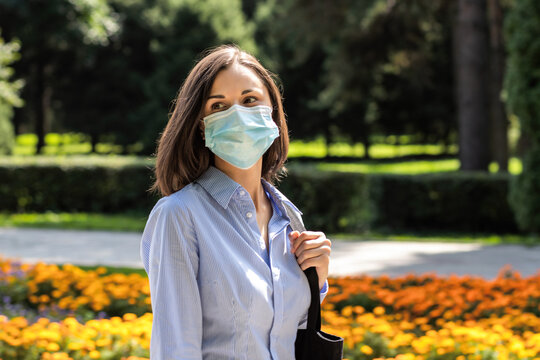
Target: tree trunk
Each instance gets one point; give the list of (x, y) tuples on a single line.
[(499, 121), (17, 120), (93, 142), (40, 106), (366, 142), (471, 59), (327, 138)]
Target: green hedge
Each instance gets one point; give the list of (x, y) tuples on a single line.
[(330, 201), (473, 201), (102, 188), (522, 84)]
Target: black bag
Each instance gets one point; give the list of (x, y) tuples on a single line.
[(312, 343)]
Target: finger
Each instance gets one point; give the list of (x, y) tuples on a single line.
[(319, 261), (305, 235), (311, 244), (313, 253)]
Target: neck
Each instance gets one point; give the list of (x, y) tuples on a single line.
[(250, 179)]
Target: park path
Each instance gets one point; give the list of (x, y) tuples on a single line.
[(348, 257)]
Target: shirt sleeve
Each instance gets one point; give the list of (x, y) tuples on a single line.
[(170, 256), (324, 290)]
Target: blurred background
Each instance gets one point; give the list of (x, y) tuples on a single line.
[(415, 146), (408, 118)]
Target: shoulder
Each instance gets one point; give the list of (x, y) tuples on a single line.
[(169, 222), (176, 204)]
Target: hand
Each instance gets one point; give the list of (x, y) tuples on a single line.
[(312, 248)]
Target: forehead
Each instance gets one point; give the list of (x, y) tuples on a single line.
[(236, 77)]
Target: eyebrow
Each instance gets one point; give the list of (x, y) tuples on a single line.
[(223, 97)]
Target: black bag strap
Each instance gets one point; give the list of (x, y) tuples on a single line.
[(314, 312)]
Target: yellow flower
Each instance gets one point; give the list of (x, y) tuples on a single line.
[(103, 342), (129, 317), (347, 311), (366, 350), (53, 347), (379, 310)]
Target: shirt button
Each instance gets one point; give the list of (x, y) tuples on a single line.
[(249, 215), (242, 193)]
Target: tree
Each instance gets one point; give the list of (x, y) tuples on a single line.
[(132, 83), (9, 97), (497, 111), (471, 61), (287, 47), (385, 69), (181, 31), (413, 89), (46, 29)]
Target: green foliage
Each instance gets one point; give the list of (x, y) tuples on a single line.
[(114, 67), (470, 201), (85, 187), (522, 84), (377, 342), (385, 69), (524, 196), (57, 36), (141, 73), (331, 201), (96, 23), (9, 93)]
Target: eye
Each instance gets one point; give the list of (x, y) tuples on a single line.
[(217, 106), (250, 99)]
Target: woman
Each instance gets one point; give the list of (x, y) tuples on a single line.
[(225, 268)]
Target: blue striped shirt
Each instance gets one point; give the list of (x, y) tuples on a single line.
[(216, 292)]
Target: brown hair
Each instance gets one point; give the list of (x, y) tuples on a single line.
[(181, 153)]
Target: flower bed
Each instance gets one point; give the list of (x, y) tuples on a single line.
[(51, 312)]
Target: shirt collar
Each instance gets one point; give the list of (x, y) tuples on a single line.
[(221, 187), (279, 197)]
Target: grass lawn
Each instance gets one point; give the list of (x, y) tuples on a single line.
[(76, 159), (79, 221), (317, 149), (78, 143), (410, 167), (75, 149)]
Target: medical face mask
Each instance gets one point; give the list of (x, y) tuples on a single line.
[(240, 135)]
